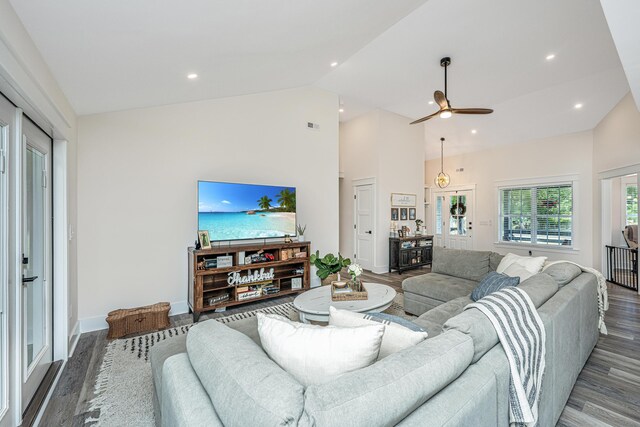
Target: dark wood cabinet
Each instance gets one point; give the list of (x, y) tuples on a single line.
[(409, 252)]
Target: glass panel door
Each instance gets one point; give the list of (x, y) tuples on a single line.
[(36, 261)]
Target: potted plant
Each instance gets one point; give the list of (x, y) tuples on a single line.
[(419, 223), (301, 229), (355, 271), (329, 266)]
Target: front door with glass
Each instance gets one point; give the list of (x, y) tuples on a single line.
[(36, 260), (454, 219)]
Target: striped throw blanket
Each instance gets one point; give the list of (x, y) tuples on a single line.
[(522, 336)]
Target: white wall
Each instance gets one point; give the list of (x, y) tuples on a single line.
[(551, 157), (383, 145), (616, 144), (137, 186)]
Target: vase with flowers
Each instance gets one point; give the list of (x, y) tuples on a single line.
[(355, 271)]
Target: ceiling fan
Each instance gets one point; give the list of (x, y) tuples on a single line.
[(445, 106)]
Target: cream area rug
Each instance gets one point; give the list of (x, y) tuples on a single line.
[(123, 393)]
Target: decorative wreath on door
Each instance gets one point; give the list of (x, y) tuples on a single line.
[(458, 210)]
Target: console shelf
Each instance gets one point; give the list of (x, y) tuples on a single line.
[(213, 288), (409, 252)]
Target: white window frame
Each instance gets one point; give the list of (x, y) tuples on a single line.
[(626, 183), (572, 180), (4, 277)]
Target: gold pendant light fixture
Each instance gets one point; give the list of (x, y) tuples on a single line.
[(442, 180)]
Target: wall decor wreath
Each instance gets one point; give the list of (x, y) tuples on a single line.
[(458, 210)]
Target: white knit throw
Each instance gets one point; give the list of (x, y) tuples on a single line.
[(603, 296)]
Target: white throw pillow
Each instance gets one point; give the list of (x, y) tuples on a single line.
[(317, 354), (516, 270), (396, 337), (532, 264)]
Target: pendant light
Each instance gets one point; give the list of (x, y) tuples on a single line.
[(442, 180)]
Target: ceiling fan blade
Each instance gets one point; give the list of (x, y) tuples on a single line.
[(441, 100), (472, 110), (425, 118)]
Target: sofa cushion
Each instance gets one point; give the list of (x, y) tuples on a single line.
[(540, 287), (386, 392), (238, 375), (438, 286), (185, 401), (517, 270), (315, 354), (159, 353), (494, 261), (493, 282), (446, 311), (395, 338), (470, 265), (563, 272)]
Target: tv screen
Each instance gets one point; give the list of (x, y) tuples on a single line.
[(246, 211)]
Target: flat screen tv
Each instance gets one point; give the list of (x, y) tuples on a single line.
[(246, 211)]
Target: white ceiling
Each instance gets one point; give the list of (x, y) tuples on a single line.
[(623, 17), (498, 50), (122, 54)]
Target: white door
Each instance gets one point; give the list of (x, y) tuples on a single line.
[(36, 260), (364, 225), (453, 218), (7, 112)]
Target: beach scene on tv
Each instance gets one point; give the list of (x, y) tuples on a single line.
[(246, 211)]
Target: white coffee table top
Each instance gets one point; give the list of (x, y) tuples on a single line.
[(314, 304)]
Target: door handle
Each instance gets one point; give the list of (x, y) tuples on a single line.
[(368, 232), (26, 280)]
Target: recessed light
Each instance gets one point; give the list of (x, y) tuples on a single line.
[(334, 64), (192, 76), (430, 102), (577, 106), (550, 56), (473, 131)]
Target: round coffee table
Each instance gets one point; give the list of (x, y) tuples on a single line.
[(314, 304)]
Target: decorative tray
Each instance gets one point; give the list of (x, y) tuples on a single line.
[(351, 292)]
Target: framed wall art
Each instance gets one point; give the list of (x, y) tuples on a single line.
[(403, 199)]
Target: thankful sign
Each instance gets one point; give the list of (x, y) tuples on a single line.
[(236, 278)]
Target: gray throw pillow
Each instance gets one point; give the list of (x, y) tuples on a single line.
[(396, 319), (493, 282)]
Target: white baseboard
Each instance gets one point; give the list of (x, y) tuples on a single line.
[(74, 337), (380, 269), (96, 323)]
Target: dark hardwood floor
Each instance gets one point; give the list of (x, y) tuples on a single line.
[(607, 391)]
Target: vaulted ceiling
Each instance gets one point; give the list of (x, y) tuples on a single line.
[(120, 54)]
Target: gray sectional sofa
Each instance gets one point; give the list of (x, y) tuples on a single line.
[(459, 376)]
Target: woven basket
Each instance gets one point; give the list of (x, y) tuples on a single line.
[(138, 320), (358, 293)]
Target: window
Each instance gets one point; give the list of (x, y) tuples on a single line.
[(539, 215), (439, 214), (631, 202)]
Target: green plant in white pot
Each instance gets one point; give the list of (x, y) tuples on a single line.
[(301, 229), (329, 266)]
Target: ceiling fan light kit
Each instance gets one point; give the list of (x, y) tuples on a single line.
[(445, 106), (443, 179)]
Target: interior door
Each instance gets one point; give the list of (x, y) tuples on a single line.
[(364, 225), (36, 260), (454, 219)]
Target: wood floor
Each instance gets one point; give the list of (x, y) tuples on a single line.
[(607, 391)]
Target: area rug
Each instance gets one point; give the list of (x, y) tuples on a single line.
[(123, 393)]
